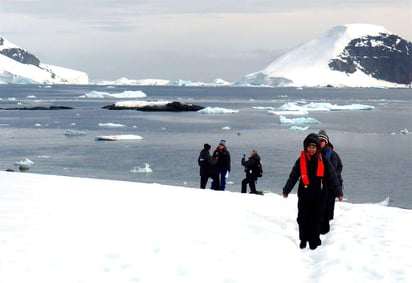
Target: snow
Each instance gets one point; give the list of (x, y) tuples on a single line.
[(15, 72), (66, 229), (140, 103), (308, 64), (12, 71)]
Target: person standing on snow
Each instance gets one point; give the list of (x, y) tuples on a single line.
[(207, 170), (312, 171), (328, 152), (223, 164), (251, 169)]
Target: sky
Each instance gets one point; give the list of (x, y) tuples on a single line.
[(67, 229), (182, 39)]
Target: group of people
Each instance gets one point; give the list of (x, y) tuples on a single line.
[(318, 170), (216, 166)]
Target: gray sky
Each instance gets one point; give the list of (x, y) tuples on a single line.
[(194, 40)]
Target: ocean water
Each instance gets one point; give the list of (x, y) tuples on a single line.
[(377, 157)]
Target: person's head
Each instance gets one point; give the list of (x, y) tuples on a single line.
[(253, 153), (311, 144), (222, 144), (206, 146), (323, 137)]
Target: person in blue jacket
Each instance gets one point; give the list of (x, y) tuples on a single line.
[(328, 151), (222, 166)]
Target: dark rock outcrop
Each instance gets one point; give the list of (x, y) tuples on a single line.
[(39, 108), (174, 106), (385, 57), (20, 55)]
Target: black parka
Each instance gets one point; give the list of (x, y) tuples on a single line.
[(251, 166), (206, 163)]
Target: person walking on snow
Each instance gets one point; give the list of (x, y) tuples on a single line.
[(329, 152), (223, 164), (312, 171)]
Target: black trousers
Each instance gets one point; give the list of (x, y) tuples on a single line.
[(251, 181), (309, 220), (205, 178)]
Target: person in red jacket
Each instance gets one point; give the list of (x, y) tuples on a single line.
[(313, 172)]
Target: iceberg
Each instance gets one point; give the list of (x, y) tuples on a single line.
[(298, 129), (217, 110), (74, 133), (111, 125), (118, 137), (146, 169), (298, 121), (124, 94)]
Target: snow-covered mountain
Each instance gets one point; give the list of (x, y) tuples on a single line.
[(21, 67), (356, 55)]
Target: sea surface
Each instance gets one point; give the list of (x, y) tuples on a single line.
[(376, 155)]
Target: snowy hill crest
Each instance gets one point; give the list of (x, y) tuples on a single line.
[(357, 55), (19, 66)]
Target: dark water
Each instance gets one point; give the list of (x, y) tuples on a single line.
[(377, 157)]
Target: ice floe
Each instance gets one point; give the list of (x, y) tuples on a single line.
[(145, 169), (118, 137), (298, 121), (124, 94), (217, 110)]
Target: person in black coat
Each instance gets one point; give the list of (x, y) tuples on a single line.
[(207, 169), (251, 169), (329, 152), (313, 171), (222, 156)]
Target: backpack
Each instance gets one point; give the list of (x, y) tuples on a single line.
[(258, 170)]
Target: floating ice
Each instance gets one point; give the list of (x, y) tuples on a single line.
[(140, 103), (263, 108), (287, 112), (322, 106), (124, 94), (26, 162), (298, 129), (404, 131), (111, 125), (74, 133), (217, 110), (118, 137), (298, 121), (226, 128), (145, 169)]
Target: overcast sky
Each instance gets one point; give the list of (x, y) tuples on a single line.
[(194, 40)]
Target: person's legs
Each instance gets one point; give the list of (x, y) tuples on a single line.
[(216, 181), (203, 181), (222, 176), (244, 183), (252, 186)]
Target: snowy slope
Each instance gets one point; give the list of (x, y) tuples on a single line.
[(20, 67), (67, 230), (308, 65)]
